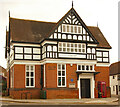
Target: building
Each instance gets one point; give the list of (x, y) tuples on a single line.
[(50, 60), (3, 72), (3, 80), (115, 78)]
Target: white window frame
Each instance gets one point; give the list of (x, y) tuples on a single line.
[(85, 67), (70, 47), (29, 76), (61, 75), (66, 30)]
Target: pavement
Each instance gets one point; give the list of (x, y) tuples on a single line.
[(109, 101)]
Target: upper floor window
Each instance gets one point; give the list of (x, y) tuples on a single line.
[(118, 76), (72, 47), (72, 29), (81, 67), (113, 77), (30, 76)]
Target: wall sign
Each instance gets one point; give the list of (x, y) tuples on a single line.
[(71, 80), (51, 67), (71, 85)]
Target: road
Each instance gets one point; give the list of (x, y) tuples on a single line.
[(18, 104)]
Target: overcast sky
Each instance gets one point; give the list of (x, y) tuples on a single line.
[(105, 12)]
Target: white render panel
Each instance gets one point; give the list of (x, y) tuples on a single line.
[(105, 54), (22, 44), (72, 55), (105, 59), (27, 56), (28, 50), (36, 51), (50, 42), (94, 45), (36, 56), (102, 49), (99, 53), (99, 59), (18, 56), (18, 49), (103, 64)]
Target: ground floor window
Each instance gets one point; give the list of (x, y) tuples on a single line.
[(30, 76), (61, 75)]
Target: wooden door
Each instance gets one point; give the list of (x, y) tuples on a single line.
[(85, 88)]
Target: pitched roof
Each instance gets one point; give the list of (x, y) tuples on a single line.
[(99, 37), (114, 68), (35, 31), (29, 30)]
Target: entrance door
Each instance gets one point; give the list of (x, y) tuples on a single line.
[(85, 88)]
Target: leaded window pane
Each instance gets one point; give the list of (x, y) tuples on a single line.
[(63, 80), (59, 73), (59, 81), (32, 82)]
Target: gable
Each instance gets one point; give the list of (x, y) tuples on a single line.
[(71, 27)]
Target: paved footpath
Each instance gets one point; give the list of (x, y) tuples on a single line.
[(107, 101)]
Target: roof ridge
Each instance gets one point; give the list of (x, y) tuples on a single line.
[(33, 20)]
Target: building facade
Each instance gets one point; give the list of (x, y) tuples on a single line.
[(115, 78), (50, 60)]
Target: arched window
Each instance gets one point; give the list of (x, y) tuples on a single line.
[(49, 48), (88, 50), (93, 50), (75, 37), (54, 48)]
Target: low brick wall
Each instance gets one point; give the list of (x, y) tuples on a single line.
[(25, 94), (62, 94)]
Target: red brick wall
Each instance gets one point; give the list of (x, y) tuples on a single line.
[(19, 76), (23, 94), (51, 82), (71, 74), (37, 76), (62, 93), (19, 82), (51, 75), (102, 76)]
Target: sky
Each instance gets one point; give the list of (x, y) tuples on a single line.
[(93, 12)]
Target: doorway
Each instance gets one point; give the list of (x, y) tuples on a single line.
[(85, 88)]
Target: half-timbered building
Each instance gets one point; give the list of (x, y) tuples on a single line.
[(66, 59)]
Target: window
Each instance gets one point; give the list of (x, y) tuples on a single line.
[(118, 76), (61, 75), (66, 28), (113, 88), (113, 77), (72, 47), (30, 76), (85, 67)]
